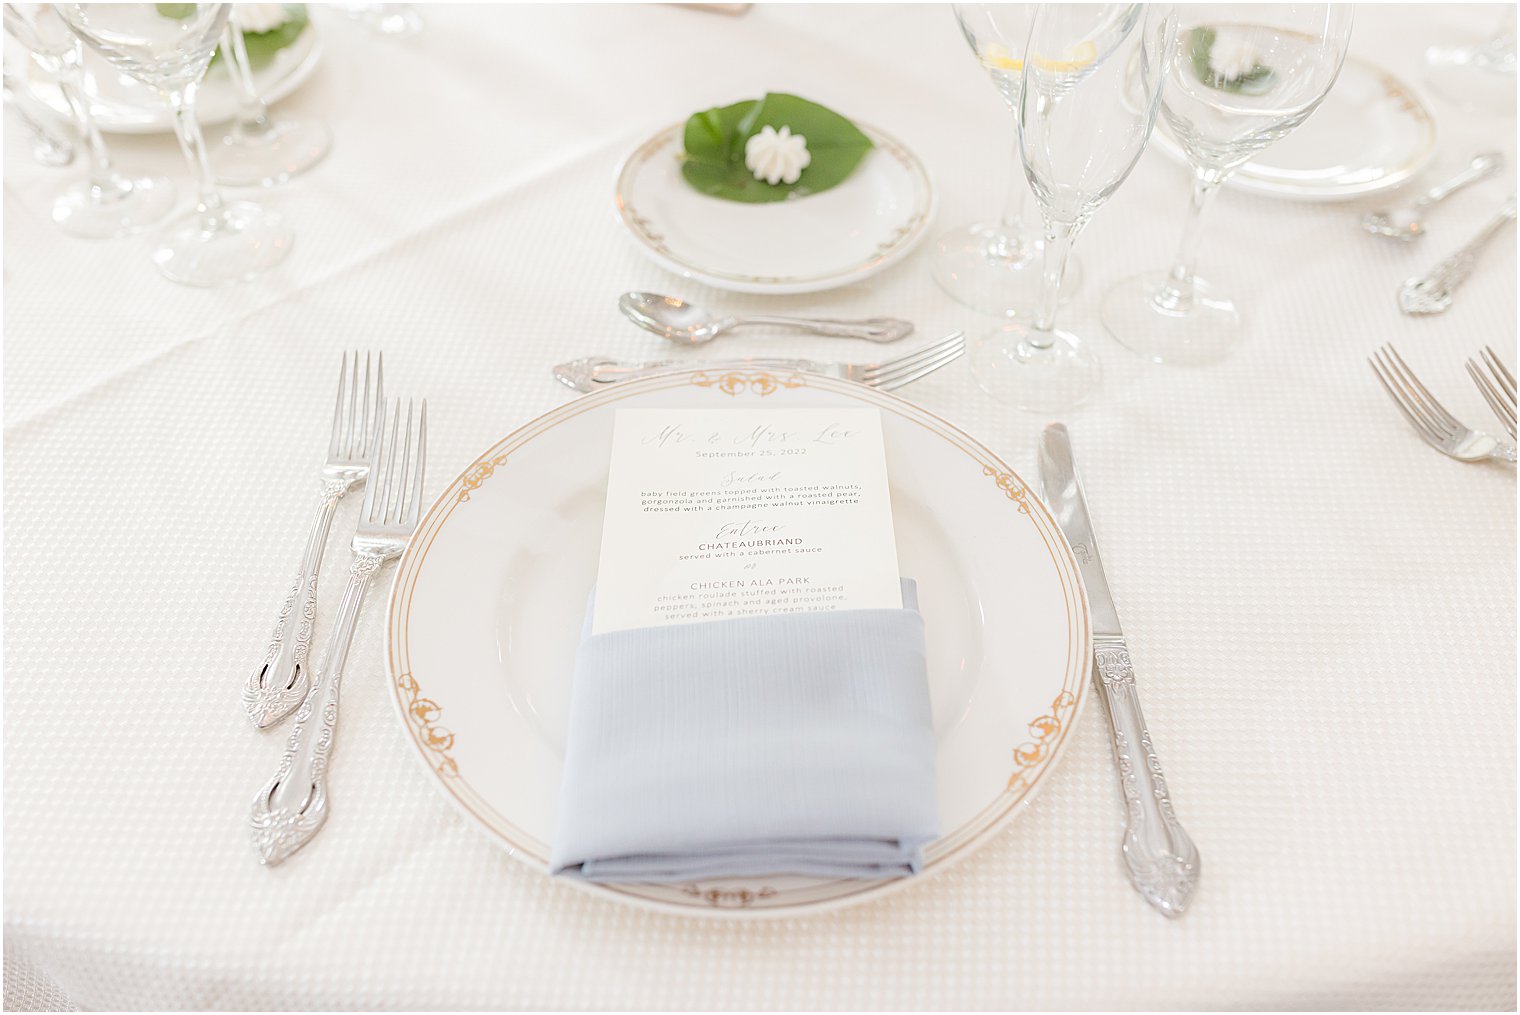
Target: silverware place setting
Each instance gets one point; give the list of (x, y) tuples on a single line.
[(1405, 222), (1433, 292), (1430, 419), (675, 320)]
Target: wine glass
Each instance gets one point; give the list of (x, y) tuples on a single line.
[(1080, 133), (106, 203), (261, 149), (1242, 76), (168, 47), (994, 267), (1477, 73)]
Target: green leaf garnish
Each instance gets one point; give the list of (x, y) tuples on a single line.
[(1256, 81), (714, 141), (262, 46)]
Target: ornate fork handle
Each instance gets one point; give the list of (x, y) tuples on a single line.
[(1432, 293), (1162, 861), (279, 684), (874, 329), (292, 806)]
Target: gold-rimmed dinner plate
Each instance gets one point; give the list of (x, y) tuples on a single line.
[(489, 597), (822, 241)]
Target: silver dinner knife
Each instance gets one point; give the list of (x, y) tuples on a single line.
[(1162, 861)]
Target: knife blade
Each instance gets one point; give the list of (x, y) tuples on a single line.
[(1160, 858)]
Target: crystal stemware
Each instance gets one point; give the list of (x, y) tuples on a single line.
[(168, 47), (1478, 73), (261, 149), (1080, 133), (106, 203), (994, 266), (1235, 87)]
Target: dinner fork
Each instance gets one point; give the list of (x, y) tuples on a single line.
[(1439, 428), (1497, 387), (292, 807), (591, 373), (279, 684)]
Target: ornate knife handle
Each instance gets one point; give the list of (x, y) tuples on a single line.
[(1162, 861), (873, 329), (1432, 292), (279, 684), (292, 807)]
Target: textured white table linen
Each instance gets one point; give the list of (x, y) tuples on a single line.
[(1322, 610)]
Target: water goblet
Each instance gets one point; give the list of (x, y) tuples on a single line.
[(994, 266), (261, 149), (1080, 134), (168, 47), (106, 203), (1235, 87)]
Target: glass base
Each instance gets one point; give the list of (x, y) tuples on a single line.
[(234, 243), (284, 149), (983, 268), (119, 209), (1016, 373), (1206, 330)]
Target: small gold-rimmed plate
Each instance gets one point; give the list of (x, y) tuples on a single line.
[(1371, 133), (822, 241), (488, 600)]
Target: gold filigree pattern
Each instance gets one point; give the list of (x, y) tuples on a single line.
[(1011, 487), (755, 381), (478, 474), (423, 714), (729, 898), (1032, 752)]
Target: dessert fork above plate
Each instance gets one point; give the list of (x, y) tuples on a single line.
[(592, 373)]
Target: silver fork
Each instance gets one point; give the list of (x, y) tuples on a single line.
[(1497, 387), (279, 684), (1439, 428), (592, 373), (292, 807)]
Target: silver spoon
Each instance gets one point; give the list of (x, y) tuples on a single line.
[(1404, 223), (1431, 293), (684, 324)]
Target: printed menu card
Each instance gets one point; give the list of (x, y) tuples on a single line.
[(721, 513)]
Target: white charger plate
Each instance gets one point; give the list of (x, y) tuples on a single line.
[(1372, 133), (121, 104), (822, 241), (485, 615)]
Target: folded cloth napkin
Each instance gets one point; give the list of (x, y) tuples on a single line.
[(791, 744)]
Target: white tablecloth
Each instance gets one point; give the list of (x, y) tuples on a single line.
[(1322, 610)]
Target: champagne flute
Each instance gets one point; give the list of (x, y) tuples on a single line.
[(1242, 77), (106, 203), (1080, 134), (261, 149), (994, 266), (168, 47)]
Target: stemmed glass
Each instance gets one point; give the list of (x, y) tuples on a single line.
[(106, 203), (168, 47), (1477, 73), (1235, 87), (1080, 133), (994, 267), (261, 149)]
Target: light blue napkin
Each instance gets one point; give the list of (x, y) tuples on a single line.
[(792, 744)]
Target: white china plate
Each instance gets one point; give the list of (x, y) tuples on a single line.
[(1370, 134), (488, 600), (823, 241), (123, 105)]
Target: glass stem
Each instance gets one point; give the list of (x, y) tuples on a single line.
[(1177, 293), (209, 201), (1059, 237), (101, 171), (253, 115), (1013, 208)]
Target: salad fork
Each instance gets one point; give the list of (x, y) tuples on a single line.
[(278, 685), (1497, 387), (1439, 428), (292, 807)]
